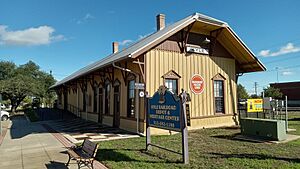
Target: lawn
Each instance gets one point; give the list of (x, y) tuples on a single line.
[(208, 148)]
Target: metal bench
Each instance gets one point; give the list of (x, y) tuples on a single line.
[(84, 154)]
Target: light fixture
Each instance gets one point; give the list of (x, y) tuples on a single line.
[(206, 41)]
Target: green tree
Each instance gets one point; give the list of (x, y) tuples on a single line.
[(241, 92), (273, 92), (17, 82)]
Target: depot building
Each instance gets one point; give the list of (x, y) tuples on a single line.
[(198, 54)]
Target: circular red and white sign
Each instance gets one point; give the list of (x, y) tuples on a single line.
[(197, 84)]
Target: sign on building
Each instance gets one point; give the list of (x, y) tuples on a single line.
[(140, 86), (197, 84), (197, 49), (254, 105)]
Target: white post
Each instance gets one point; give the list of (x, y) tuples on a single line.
[(137, 110)]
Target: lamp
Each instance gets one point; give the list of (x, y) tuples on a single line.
[(206, 41)]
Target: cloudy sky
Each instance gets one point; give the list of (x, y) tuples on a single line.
[(64, 35)]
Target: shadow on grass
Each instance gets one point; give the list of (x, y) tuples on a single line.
[(227, 137), (230, 127), (294, 119), (114, 155), (255, 156)]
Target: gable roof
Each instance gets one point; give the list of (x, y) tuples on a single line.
[(154, 39)]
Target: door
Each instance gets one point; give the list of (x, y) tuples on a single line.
[(116, 106), (65, 100), (100, 103)]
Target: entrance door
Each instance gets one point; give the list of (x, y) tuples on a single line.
[(116, 106), (100, 103), (65, 100)]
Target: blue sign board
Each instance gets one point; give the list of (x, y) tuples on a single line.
[(164, 111)]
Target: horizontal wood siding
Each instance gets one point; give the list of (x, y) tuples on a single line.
[(160, 62)]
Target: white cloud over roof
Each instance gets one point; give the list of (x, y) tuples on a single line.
[(288, 48)]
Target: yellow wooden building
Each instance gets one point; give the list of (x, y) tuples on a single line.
[(105, 91)]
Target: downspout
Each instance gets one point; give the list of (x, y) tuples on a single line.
[(136, 95)]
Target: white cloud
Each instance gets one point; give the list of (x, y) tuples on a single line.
[(41, 35), (86, 17), (125, 42), (288, 48), (129, 41), (287, 72), (144, 36)]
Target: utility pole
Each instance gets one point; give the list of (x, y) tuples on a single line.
[(255, 87), (277, 74)]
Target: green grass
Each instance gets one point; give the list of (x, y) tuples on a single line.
[(31, 114), (208, 148)]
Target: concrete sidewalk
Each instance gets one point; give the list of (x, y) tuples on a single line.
[(29, 145)]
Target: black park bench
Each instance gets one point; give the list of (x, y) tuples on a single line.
[(84, 154)]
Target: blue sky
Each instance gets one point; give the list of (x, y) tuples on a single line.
[(65, 35)]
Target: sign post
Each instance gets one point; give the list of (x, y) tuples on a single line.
[(167, 111), (184, 132)]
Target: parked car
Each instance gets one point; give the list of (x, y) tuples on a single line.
[(3, 106), (4, 115)]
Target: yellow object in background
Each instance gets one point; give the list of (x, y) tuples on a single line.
[(254, 105)]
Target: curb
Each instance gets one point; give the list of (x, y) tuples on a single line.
[(4, 131)]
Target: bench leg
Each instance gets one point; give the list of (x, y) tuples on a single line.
[(68, 160), (92, 164), (78, 163)]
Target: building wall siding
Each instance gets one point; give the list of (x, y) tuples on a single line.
[(159, 62)]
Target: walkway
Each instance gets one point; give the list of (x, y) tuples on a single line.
[(29, 145), (76, 130)]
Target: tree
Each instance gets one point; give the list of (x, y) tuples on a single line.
[(241, 92), (17, 82), (273, 92)]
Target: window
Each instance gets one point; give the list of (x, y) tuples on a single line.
[(131, 99), (219, 96), (95, 99), (171, 81), (107, 97), (172, 86)]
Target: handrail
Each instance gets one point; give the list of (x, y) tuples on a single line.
[(74, 109)]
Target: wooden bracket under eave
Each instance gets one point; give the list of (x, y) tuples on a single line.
[(142, 68), (214, 38)]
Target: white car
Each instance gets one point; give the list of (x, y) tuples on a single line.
[(3, 106), (4, 115)]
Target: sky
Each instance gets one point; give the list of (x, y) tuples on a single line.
[(63, 36)]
